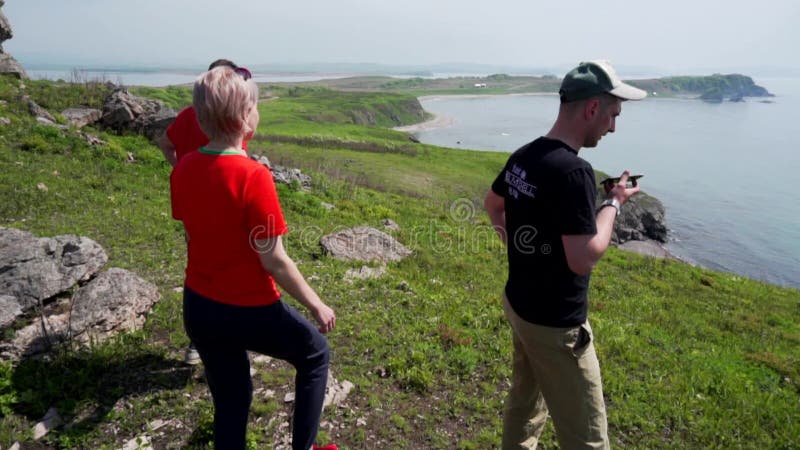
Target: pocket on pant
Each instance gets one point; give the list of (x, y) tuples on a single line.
[(583, 338)]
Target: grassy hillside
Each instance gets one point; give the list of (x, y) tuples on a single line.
[(691, 358)]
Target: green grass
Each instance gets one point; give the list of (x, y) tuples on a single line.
[(690, 358)]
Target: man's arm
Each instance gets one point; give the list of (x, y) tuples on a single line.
[(583, 251), (495, 206), (275, 261), (168, 149)]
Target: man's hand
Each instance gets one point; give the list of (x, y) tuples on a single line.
[(620, 191)]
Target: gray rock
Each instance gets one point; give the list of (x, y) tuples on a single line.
[(336, 392), (123, 111), (80, 117), (34, 269), (50, 420), (91, 139), (36, 110), (365, 272), (364, 244), (116, 300), (37, 337), (5, 121), (642, 218), (9, 310), (286, 175), (142, 442)]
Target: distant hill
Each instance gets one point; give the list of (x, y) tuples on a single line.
[(717, 87)]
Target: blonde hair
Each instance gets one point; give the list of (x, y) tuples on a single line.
[(222, 100)]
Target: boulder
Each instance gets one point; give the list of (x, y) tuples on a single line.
[(115, 301), (10, 65), (364, 244), (35, 269), (123, 111), (80, 117)]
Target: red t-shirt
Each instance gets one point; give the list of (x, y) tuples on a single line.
[(225, 201), (186, 135)]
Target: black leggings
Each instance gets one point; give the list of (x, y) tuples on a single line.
[(223, 333)]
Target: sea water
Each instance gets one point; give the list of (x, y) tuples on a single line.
[(727, 173)]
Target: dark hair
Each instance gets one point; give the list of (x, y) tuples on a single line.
[(223, 62)]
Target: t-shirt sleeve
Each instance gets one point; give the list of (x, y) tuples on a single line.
[(499, 186), (264, 216), (576, 210)]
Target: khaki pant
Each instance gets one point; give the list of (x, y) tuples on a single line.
[(554, 369)]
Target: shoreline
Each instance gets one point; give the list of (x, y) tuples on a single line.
[(440, 121)]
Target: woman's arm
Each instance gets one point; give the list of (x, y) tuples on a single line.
[(275, 260)]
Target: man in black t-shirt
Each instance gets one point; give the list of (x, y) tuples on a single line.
[(542, 205)]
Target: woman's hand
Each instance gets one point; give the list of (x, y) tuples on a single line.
[(325, 317)]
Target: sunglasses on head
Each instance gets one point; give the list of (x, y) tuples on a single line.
[(244, 72)]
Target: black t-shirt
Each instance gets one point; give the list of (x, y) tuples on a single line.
[(549, 192)]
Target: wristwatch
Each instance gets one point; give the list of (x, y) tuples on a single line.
[(610, 202)]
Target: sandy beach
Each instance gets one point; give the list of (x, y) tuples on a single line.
[(435, 122), (446, 121)]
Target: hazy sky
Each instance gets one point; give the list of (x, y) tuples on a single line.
[(676, 35)]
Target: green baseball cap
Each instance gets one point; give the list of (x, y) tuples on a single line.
[(596, 77)]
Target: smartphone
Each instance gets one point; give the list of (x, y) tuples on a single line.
[(612, 181)]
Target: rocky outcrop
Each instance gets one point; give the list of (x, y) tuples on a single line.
[(36, 275), (284, 175), (641, 219), (7, 63), (124, 111), (364, 244), (116, 300), (35, 269)]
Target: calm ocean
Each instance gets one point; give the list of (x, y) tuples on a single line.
[(723, 171)]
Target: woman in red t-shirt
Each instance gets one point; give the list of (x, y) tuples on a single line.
[(230, 210)]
